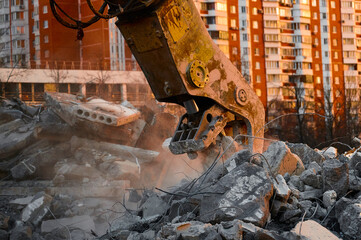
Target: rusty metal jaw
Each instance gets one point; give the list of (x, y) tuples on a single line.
[(195, 133)]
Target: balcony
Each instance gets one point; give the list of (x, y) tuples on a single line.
[(286, 18), (287, 31), (288, 70), (284, 44), (288, 57)]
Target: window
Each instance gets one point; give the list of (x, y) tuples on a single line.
[(243, 9), (317, 67), (325, 41), (325, 29), (334, 29), (255, 38), (318, 80), (254, 11), (315, 15), (335, 67), (45, 9), (46, 53), (233, 23), (234, 51), (255, 24), (333, 4), (256, 51), (335, 55), (258, 92), (258, 78), (317, 54), (258, 65), (337, 80), (233, 9), (333, 17), (46, 39), (234, 36), (315, 28), (334, 42), (221, 6), (46, 24), (314, 3)]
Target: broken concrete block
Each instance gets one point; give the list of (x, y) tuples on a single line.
[(230, 230), (329, 152), (329, 198), (35, 211), (312, 230), (39, 163), (282, 190), (311, 194), (188, 231), (84, 223), (355, 163), (11, 126), (350, 221), (22, 201), (297, 183), (21, 233), (335, 176), (282, 160), (305, 153), (15, 141), (70, 109), (310, 178), (354, 181), (315, 166), (124, 152), (291, 215), (120, 170), (244, 193), (153, 206)]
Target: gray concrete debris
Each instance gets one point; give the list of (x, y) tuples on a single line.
[(329, 152), (75, 171), (282, 160), (305, 153), (316, 166), (14, 141), (189, 231), (354, 181), (230, 230), (84, 223), (355, 163), (125, 152), (43, 159), (153, 206), (310, 178), (291, 215), (349, 219), (22, 201), (70, 109), (335, 176), (329, 198), (312, 230), (35, 211), (295, 181), (244, 194), (21, 233), (311, 194), (282, 190)]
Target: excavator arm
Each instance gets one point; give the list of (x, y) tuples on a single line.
[(183, 65)]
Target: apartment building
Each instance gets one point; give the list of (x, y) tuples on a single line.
[(33, 37), (313, 45)]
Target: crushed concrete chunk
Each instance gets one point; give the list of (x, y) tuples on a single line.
[(305, 153), (153, 206), (35, 211), (311, 230), (282, 190), (231, 230), (310, 178), (350, 221), (84, 223), (244, 194), (21, 233), (335, 176), (282, 160), (189, 231), (329, 198)]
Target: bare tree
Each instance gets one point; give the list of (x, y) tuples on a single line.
[(100, 78), (58, 74)]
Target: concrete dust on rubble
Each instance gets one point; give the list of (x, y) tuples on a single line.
[(63, 179)]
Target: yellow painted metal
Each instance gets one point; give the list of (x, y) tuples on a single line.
[(176, 24), (198, 74)]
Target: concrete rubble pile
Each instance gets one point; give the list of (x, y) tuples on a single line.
[(64, 177)]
